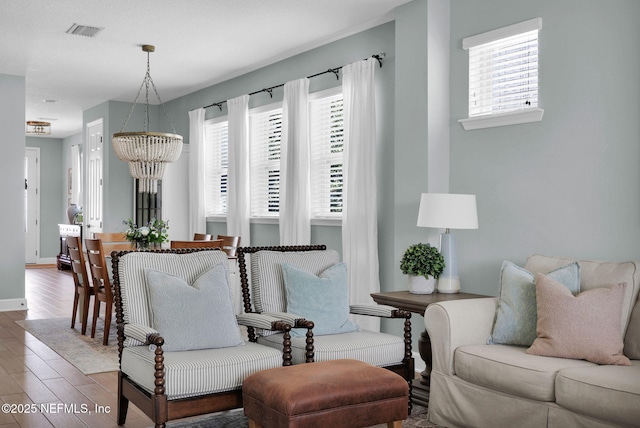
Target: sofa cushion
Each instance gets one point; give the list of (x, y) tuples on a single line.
[(586, 326), (516, 315), (322, 299), (609, 393), (377, 349), (197, 316), (509, 369), (632, 336), (133, 285), (191, 373), (267, 282), (595, 274)]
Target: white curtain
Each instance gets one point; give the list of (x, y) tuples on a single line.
[(238, 175), (295, 222), (359, 215), (197, 214)]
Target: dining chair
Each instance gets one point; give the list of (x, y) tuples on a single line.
[(202, 237), (101, 286), (230, 244), (216, 243), (113, 241), (82, 282)]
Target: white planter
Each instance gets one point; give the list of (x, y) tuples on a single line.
[(421, 285)]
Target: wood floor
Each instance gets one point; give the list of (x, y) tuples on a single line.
[(31, 373)]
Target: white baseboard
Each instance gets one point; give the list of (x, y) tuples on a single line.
[(13, 305), (418, 363)]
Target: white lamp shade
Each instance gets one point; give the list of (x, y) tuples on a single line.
[(448, 211)]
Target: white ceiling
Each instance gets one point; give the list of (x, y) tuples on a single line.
[(198, 43)]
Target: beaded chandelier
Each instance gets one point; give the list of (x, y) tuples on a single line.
[(147, 152)]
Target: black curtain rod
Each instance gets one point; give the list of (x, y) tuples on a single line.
[(270, 89)]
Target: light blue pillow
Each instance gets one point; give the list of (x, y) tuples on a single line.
[(193, 317), (323, 300), (517, 314)]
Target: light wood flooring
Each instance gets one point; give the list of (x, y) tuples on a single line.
[(31, 373)]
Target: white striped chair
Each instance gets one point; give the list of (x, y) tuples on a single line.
[(265, 295), (175, 384)]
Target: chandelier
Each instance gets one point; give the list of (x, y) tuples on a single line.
[(147, 152), (35, 127)]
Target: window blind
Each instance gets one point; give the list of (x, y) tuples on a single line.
[(265, 132), (503, 69), (326, 149), (216, 164)]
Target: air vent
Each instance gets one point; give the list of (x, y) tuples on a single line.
[(84, 30)]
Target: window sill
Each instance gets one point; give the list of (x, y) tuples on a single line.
[(274, 220), (504, 119)]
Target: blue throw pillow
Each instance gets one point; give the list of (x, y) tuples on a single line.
[(517, 315), (323, 300), (193, 317)]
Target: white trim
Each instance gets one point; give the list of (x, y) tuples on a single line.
[(47, 261), (419, 364), (13, 305), (501, 33), (502, 119), (326, 222), (325, 93)]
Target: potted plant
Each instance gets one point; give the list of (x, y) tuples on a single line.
[(424, 264)]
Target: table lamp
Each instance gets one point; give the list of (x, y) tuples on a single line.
[(448, 211)]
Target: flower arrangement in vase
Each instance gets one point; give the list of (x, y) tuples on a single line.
[(424, 264), (155, 232)]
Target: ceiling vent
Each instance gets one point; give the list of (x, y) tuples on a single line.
[(84, 30)]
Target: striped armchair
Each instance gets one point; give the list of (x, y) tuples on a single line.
[(175, 384), (266, 295)]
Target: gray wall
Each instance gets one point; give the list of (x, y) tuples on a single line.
[(53, 193), (12, 143), (568, 185)]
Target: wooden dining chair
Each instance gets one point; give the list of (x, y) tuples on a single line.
[(83, 287), (216, 243), (202, 237), (230, 244), (101, 286), (113, 241)]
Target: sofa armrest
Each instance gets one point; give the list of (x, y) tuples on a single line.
[(138, 332), (374, 310), (456, 323)]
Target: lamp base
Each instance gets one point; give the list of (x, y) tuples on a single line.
[(448, 285)]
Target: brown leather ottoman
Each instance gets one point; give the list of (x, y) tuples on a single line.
[(339, 393)]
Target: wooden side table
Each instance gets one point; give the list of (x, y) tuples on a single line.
[(417, 304)]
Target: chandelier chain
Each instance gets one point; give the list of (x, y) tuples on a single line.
[(145, 83)]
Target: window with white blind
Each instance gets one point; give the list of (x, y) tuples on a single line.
[(503, 76), (265, 130), (216, 164), (326, 132), (326, 150)]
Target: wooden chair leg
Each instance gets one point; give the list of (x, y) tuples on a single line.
[(394, 424), (107, 323), (76, 297), (85, 313), (96, 312), (123, 403)]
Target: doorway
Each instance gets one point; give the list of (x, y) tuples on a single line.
[(32, 204)]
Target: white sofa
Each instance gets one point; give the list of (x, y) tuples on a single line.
[(474, 384)]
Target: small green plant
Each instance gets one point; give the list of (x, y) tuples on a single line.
[(422, 260)]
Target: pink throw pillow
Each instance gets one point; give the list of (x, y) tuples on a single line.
[(586, 326)]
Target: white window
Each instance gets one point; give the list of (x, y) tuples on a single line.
[(326, 151), (265, 135), (216, 164), (503, 76), (265, 132)]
